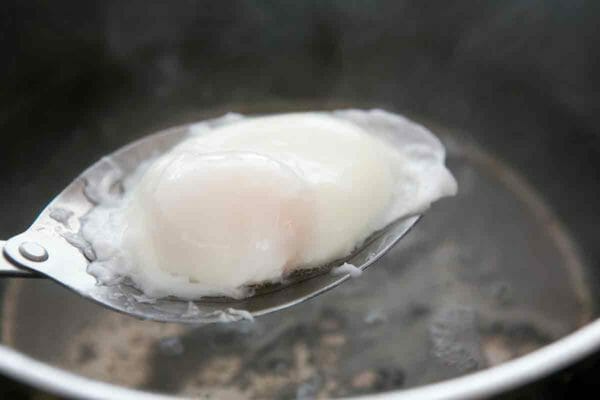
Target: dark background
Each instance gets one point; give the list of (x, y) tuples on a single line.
[(518, 77)]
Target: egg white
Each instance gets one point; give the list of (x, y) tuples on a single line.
[(255, 198)]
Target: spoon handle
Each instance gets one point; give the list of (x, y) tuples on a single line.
[(9, 270)]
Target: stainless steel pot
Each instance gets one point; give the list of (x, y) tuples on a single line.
[(493, 289)]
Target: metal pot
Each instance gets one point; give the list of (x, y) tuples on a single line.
[(494, 288)]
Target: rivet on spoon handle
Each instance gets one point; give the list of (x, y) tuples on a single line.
[(9, 270)]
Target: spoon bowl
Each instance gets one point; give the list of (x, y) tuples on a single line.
[(52, 248)]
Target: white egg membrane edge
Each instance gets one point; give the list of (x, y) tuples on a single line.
[(103, 227)]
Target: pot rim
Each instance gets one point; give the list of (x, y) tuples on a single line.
[(486, 382)]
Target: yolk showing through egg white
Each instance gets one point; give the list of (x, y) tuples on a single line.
[(251, 200), (224, 218)]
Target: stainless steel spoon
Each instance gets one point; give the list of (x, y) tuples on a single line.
[(50, 248)]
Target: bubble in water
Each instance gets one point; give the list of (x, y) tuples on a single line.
[(171, 346), (375, 316)]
